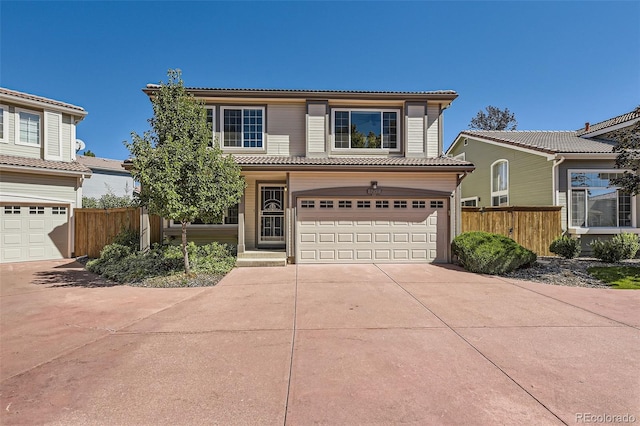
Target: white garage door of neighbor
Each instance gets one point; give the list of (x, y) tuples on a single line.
[(371, 230), (36, 232)]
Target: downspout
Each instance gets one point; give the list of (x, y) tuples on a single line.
[(554, 179), (555, 182)]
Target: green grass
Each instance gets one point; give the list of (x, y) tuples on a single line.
[(621, 277)]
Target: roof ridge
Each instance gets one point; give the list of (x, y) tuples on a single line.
[(425, 92)]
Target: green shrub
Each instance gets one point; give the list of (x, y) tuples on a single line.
[(487, 253), (629, 243), (621, 246), (120, 263), (566, 247)]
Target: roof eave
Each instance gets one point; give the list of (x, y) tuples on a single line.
[(587, 155), (81, 113), (355, 168), (43, 171)]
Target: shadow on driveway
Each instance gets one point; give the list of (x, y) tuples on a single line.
[(71, 274)]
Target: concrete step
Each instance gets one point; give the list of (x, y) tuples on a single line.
[(256, 261), (263, 254)]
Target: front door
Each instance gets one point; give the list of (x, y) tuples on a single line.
[(271, 215)]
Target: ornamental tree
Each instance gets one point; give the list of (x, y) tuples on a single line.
[(182, 175), (494, 119)]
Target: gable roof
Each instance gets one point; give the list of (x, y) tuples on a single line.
[(549, 142), (615, 121), (33, 164), (98, 163), (9, 95)]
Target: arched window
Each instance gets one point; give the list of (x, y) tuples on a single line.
[(500, 183)]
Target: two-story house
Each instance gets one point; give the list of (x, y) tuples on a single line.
[(571, 169), (335, 176), (40, 179)]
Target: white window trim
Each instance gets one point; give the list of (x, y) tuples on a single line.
[(5, 124), (16, 126), (595, 229), (503, 192), (44, 126), (462, 200), (365, 150), (242, 148)]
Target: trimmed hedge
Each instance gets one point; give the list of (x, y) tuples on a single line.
[(494, 254), (566, 247)]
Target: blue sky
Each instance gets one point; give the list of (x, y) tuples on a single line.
[(555, 65)]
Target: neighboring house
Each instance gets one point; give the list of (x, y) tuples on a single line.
[(108, 177), (40, 179), (335, 176), (571, 169)]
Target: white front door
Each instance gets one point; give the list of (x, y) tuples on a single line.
[(271, 220)]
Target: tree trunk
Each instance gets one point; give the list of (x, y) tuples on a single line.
[(187, 270)]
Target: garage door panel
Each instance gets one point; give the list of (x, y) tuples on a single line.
[(345, 254), (12, 239), (33, 232), (327, 238), (308, 238), (402, 234), (345, 238), (327, 255), (11, 224), (401, 254), (11, 254), (383, 238), (401, 237), (364, 255), (36, 238), (363, 238)]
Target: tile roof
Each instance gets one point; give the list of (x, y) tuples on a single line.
[(550, 142), (372, 92), (36, 163), (29, 97), (351, 161), (629, 116), (102, 163)]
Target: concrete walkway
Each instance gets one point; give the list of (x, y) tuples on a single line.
[(329, 344)]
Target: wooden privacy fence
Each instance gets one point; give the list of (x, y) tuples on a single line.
[(96, 228), (531, 227)]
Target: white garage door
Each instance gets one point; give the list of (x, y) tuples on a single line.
[(35, 232), (371, 230)]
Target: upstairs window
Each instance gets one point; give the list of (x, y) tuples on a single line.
[(243, 127), (28, 127), (500, 183), (371, 129), (595, 203)]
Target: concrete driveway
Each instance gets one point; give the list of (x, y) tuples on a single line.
[(349, 344)]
